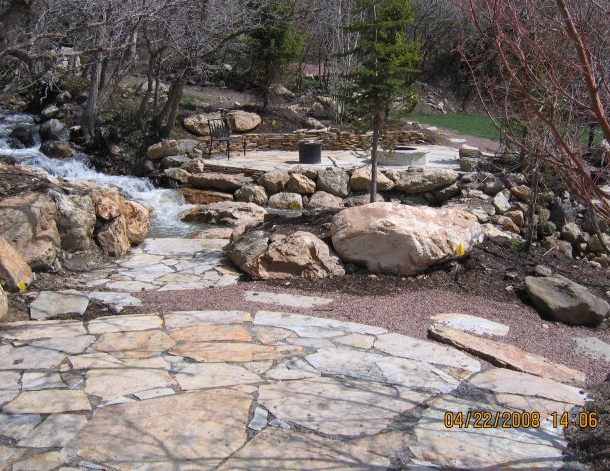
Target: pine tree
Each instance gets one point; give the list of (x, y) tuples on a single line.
[(387, 64)]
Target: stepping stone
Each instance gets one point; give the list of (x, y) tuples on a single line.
[(106, 325), (472, 324), (148, 273), (483, 448), (128, 378), (8, 455), (52, 305), (593, 347), (279, 450), (202, 430), (134, 345), (290, 300), (35, 381), (153, 393), (293, 369), (132, 286), (50, 401), (210, 333), (214, 375), (181, 247), (389, 370), (501, 380), (307, 325), (175, 320), (94, 360), (421, 350), (504, 355), (70, 345), (235, 352), (42, 462), (29, 358), (41, 330), (141, 260), (272, 335), (356, 340), (55, 431), (331, 406), (117, 302), (17, 426)]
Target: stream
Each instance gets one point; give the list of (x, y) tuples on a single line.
[(168, 204)]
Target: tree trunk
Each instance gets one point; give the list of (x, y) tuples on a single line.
[(374, 148), (90, 112), (532, 208), (167, 118)]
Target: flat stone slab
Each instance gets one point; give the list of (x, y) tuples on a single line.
[(188, 431), (60, 304), (483, 448), (117, 302), (56, 431), (36, 381), (29, 358), (214, 375), (509, 356), (331, 406), (106, 325), (17, 426), (289, 300), (593, 347), (282, 450), (235, 352), (41, 330), (50, 401), (134, 345), (211, 333), (175, 320), (473, 324)]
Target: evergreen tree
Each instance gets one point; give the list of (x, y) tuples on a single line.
[(386, 64)]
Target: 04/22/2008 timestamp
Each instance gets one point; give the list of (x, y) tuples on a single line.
[(518, 419)]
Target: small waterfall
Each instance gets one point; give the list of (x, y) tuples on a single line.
[(168, 204)]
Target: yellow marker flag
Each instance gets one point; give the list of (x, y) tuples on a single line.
[(21, 285), (459, 250)]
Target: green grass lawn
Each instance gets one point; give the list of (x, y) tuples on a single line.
[(468, 124)]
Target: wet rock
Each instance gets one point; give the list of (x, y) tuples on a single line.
[(198, 123), (113, 238), (53, 130), (298, 255), (49, 112), (56, 149), (15, 273), (252, 194), (565, 301), (24, 135), (274, 181), (334, 181), (299, 183), (242, 121), (324, 200), (286, 200), (75, 221), (394, 238), (195, 196), (361, 180), (219, 181)]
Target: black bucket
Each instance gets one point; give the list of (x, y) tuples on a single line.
[(310, 152)]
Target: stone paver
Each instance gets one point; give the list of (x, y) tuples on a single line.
[(53, 305), (162, 265), (203, 389), (593, 347), (289, 300), (473, 324)]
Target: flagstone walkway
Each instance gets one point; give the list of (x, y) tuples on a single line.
[(259, 390)]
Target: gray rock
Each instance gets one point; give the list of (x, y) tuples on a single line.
[(53, 130), (324, 200), (252, 194), (593, 347), (572, 233), (542, 270), (75, 220), (566, 301), (174, 161), (52, 305), (259, 420), (56, 149), (562, 214), (334, 181), (501, 203), (274, 181), (24, 135), (286, 200)]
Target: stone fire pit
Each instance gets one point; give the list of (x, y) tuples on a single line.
[(403, 155)]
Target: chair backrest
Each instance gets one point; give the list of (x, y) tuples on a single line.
[(219, 129)]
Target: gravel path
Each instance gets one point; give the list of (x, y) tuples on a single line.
[(408, 313)]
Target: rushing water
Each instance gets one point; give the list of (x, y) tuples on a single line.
[(168, 204)]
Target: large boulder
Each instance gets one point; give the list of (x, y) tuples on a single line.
[(395, 238), (108, 202), (162, 149), (198, 123), (242, 121), (274, 181), (285, 200), (28, 222), (219, 181), (113, 238), (565, 301), (195, 196), (334, 181), (75, 220), (53, 130), (232, 214), (278, 256), (24, 135), (361, 180), (252, 194), (15, 273), (174, 161), (299, 183), (137, 221), (323, 200), (56, 149), (416, 182), (178, 174)]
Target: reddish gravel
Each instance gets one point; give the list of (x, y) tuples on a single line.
[(407, 313)]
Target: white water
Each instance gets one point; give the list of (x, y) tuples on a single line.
[(168, 204)]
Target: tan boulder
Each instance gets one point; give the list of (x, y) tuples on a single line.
[(75, 220), (219, 181), (252, 194), (108, 202), (194, 166), (137, 218), (242, 121), (323, 200), (298, 255), (299, 183), (113, 238), (162, 149), (395, 238), (229, 213), (195, 196), (416, 182), (274, 181), (178, 174), (15, 273), (28, 222), (285, 200), (361, 180), (198, 123)]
